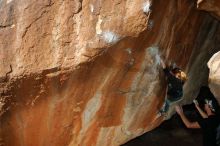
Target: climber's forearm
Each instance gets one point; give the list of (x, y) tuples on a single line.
[(162, 64), (201, 112), (189, 124)]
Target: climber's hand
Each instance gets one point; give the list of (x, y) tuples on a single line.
[(179, 109), (195, 102), (162, 63)]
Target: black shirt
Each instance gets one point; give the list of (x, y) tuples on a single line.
[(209, 127), (175, 85)]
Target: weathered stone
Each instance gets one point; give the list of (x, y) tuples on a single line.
[(214, 75), (87, 73), (212, 6)]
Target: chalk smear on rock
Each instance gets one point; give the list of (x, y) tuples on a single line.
[(9, 1), (91, 8), (146, 7), (110, 37)]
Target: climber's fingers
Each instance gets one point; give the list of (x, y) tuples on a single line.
[(162, 63), (195, 102), (179, 109)]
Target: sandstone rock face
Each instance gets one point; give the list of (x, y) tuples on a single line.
[(212, 6), (214, 75), (87, 73)]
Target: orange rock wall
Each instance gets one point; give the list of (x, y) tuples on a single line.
[(212, 6), (86, 73)]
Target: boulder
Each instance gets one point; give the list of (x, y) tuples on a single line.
[(214, 75), (87, 73)]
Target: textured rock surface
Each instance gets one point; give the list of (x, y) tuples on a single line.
[(214, 74), (85, 73), (212, 6)]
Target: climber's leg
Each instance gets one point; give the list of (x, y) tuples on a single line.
[(165, 107), (169, 101)]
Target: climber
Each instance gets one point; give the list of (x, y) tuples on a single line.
[(205, 93), (208, 122), (175, 80)]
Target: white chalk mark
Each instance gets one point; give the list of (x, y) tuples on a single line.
[(157, 59), (98, 26), (154, 52), (146, 7), (150, 24), (126, 131), (110, 37), (9, 1), (91, 8), (132, 61), (129, 51), (13, 26), (91, 109)]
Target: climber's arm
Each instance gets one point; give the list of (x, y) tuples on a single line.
[(167, 71), (187, 123), (201, 112), (162, 64)]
